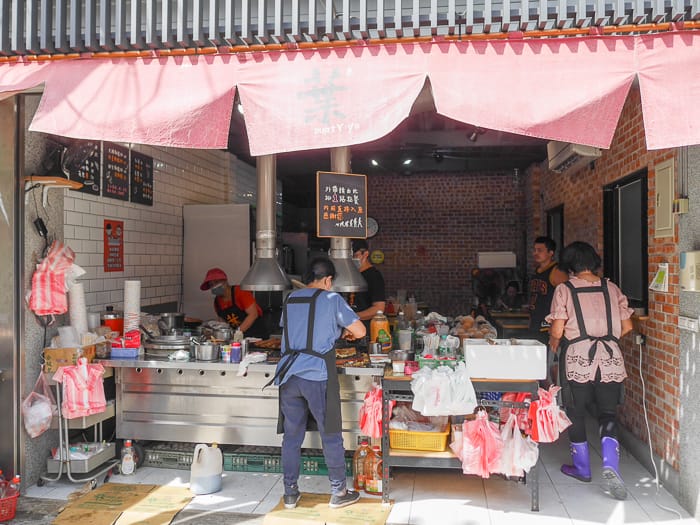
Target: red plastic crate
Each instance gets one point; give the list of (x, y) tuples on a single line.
[(8, 504)]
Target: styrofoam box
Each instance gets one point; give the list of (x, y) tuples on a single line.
[(506, 359)]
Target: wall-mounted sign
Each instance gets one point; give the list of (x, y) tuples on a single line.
[(341, 205), (88, 173), (141, 179), (116, 171), (113, 246)]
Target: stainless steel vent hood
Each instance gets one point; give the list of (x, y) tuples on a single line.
[(347, 277), (266, 273)]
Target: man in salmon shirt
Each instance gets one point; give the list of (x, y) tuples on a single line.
[(235, 306)]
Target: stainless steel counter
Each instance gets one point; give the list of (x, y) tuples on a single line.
[(199, 401)]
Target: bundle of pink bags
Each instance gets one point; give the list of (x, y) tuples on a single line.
[(484, 449)]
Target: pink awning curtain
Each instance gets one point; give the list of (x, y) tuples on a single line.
[(567, 89), (179, 102), (339, 97), (669, 83), (571, 90), (16, 77)]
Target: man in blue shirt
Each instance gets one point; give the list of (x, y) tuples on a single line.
[(313, 319)]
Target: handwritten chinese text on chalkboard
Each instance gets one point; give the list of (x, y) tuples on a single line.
[(341, 205), (116, 172), (141, 179)]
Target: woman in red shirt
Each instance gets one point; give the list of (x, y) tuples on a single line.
[(235, 306)]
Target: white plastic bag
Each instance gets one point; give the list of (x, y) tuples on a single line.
[(39, 408), (519, 453)]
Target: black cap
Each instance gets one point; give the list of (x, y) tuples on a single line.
[(359, 244)]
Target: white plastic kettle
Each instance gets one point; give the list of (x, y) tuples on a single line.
[(206, 469)]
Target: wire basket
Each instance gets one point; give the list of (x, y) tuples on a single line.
[(8, 504), (431, 441)]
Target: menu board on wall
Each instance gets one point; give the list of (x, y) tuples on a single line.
[(141, 179), (341, 205), (89, 155), (116, 172)]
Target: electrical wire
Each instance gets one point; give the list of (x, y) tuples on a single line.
[(651, 450)]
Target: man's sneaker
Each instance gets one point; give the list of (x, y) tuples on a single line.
[(346, 499), (291, 500)]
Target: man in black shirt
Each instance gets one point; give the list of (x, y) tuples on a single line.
[(368, 303)]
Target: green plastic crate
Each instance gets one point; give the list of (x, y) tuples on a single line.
[(316, 466), (242, 462)]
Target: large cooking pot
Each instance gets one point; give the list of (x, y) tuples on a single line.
[(206, 351), (169, 322)]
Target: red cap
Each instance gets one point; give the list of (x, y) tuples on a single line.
[(215, 274)]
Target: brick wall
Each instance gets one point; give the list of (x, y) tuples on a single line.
[(152, 234), (433, 225), (581, 194)]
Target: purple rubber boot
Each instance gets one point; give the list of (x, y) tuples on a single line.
[(611, 468), (581, 468)]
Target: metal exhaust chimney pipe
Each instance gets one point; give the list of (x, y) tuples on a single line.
[(347, 278), (266, 273)]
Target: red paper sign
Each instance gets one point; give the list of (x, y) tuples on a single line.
[(113, 246)]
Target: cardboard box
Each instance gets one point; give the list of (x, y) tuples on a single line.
[(57, 357), (506, 359)]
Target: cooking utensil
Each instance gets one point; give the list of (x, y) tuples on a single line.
[(147, 332), (207, 351), (171, 321), (223, 334)]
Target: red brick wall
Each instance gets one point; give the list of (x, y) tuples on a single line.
[(432, 226), (582, 196)]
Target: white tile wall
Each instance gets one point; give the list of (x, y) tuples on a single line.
[(152, 234)]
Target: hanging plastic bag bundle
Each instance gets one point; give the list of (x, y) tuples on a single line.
[(547, 419), (371, 416), (481, 446), (519, 453), (520, 413), (39, 408)]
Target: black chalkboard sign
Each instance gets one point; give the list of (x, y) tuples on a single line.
[(141, 179), (83, 161), (116, 171), (341, 205)]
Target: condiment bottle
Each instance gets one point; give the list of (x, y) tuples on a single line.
[(358, 465), (379, 331), (128, 464), (373, 471)]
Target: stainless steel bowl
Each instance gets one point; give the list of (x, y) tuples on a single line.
[(206, 351), (402, 355)]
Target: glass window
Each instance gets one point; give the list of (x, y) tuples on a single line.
[(625, 236)]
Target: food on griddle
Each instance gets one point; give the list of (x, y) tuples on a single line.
[(342, 353), (269, 344)]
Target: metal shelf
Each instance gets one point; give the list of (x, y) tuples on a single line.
[(398, 388)]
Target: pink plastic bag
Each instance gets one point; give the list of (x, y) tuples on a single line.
[(481, 446), (548, 420), (371, 413), (39, 408)]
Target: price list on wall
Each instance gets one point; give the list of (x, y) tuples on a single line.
[(141, 179), (341, 205), (115, 171), (88, 172)]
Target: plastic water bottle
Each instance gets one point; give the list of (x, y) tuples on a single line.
[(420, 320), (15, 484), (443, 349), (358, 465), (128, 464), (402, 323)]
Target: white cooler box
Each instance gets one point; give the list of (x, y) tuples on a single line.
[(506, 359)]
